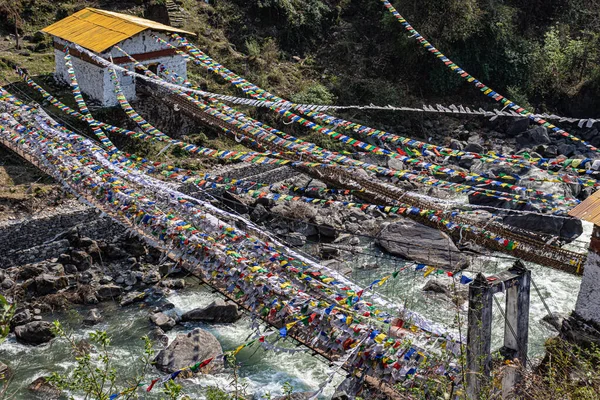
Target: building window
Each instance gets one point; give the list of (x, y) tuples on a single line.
[(153, 68)]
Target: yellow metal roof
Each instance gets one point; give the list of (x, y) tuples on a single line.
[(588, 210), (97, 30)]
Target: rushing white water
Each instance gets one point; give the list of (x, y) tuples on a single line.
[(266, 372)]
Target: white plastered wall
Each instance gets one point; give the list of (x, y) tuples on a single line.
[(95, 81), (588, 300)]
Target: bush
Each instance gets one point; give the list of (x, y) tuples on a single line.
[(314, 94)]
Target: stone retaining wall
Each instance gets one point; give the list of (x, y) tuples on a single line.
[(41, 238)]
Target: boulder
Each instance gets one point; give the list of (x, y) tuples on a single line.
[(55, 268), (566, 149), (235, 202), (43, 389), (568, 229), (7, 283), (394, 163), (151, 277), (555, 320), (70, 269), (533, 137), (81, 260), (158, 335), (5, 372), (456, 145), (489, 201), (94, 251), (163, 321), (173, 283), (187, 349), (93, 317), (474, 148), (295, 239), (325, 227), (85, 242), (64, 259), (29, 271), (259, 213), (36, 332), (352, 227), (420, 243), (218, 311), (133, 297), (85, 277), (21, 318), (133, 247), (446, 286), (114, 252), (303, 228), (517, 126), (108, 292), (48, 284)]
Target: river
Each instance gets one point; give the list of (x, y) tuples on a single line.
[(266, 371)]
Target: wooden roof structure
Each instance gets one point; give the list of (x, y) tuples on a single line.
[(98, 30), (588, 210)]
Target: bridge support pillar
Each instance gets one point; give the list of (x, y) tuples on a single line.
[(516, 284)]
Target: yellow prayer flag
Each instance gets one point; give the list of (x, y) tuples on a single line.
[(382, 281), (380, 338), (288, 326), (237, 350)]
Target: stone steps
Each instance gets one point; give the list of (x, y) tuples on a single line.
[(175, 14)]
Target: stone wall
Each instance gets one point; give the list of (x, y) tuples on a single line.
[(42, 237)]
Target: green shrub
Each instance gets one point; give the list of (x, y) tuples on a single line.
[(314, 94)]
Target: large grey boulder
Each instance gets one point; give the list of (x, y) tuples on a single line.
[(36, 332), (21, 318), (517, 126), (446, 286), (48, 284), (163, 321), (568, 229), (303, 228), (42, 389), (422, 244), (30, 271), (188, 349), (295, 239), (93, 317), (218, 311), (81, 259), (133, 297), (5, 372), (259, 213), (534, 137), (108, 292)]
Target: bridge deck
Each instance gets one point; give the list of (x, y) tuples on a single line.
[(372, 382), (528, 249)]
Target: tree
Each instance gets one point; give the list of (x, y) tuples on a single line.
[(13, 10), (95, 375), (7, 311)]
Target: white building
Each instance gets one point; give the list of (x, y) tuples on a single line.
[(99, 31)]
